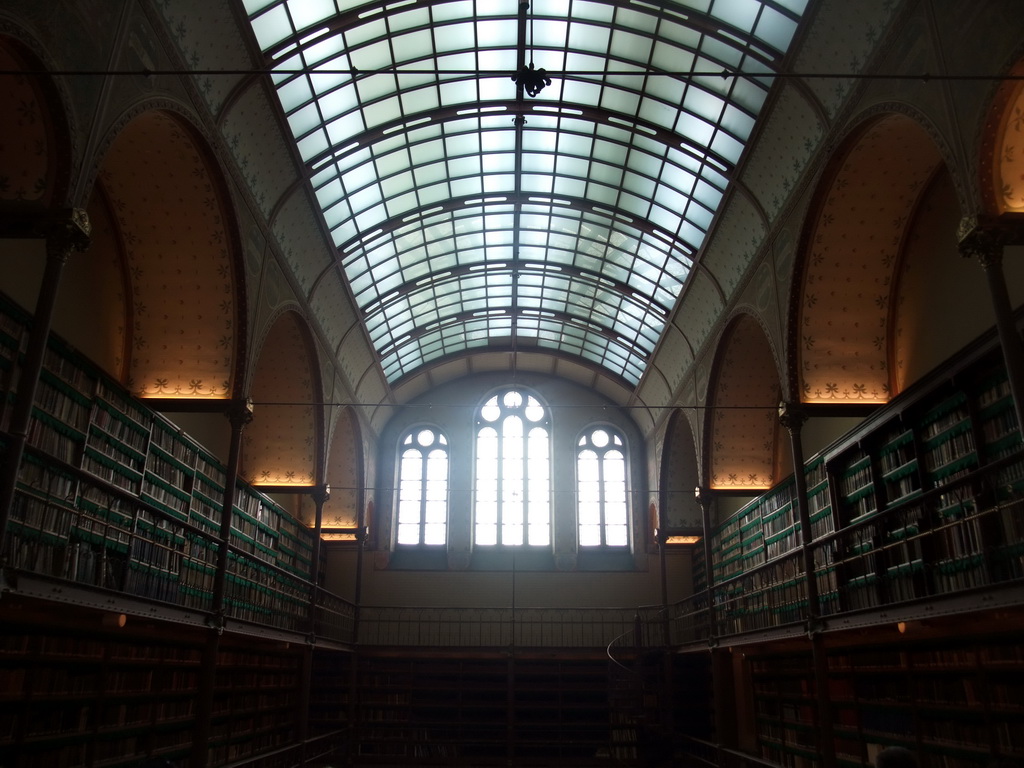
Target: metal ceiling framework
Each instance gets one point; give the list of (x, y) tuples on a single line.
[(468, 215)]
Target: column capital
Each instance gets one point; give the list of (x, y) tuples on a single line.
[(321, 494), (240, 412), (792, 415), (69, 229), (65, 229), (703, 495), (983, 237)]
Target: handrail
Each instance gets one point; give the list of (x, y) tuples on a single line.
[(481, 626), (721, 756), (879, 561), (335, 742)]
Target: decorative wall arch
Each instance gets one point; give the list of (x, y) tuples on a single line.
[(345, 474), (742, 445), (840, 334), (96, 316), (282, 445), (186, 287), (680, 476), (1002, 150), (35, 139)]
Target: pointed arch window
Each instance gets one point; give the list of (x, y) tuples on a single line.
[(512, 502), (601, 493), (423, 488)]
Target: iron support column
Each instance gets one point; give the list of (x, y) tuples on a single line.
[(65, 231)]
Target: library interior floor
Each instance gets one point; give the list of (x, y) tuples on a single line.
[(485, 383)]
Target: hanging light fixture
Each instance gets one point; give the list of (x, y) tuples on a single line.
[(531, 79)]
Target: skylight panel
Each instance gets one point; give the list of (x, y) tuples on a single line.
[(272, 27), (740, 14), (306, 13), (619, 175), (294, 92), (409, 18), (305, 121), (254, 6)]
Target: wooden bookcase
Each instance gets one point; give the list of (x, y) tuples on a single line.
[(75, 694), (81, 690), (112, 494), (534, 710), (954, 701), (924, 499), (784, 709), (331, 700), (256, 700), (415, 709)]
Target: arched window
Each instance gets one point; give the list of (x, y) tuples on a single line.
[(601, 503), (512, 504), (423, 488)]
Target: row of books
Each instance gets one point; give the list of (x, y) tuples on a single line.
[(85, 420), (147, 555), (904, 511), (931, 696)]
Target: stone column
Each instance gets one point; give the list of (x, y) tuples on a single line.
[(66, 231), (320, 495), (705, 500), (792, 416), (239, 414)]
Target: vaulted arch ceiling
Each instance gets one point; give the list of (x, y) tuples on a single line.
[(467, 214)]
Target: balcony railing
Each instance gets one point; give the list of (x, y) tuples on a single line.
[(125, 547), (940, 544), (494, 627)]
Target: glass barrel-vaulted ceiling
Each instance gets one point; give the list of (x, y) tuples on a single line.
[(467, 214)]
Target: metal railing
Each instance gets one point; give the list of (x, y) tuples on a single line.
[(963, 538), (493, 627), (326, 749), (112, 542)]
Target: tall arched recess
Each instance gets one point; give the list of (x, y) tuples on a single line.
[(345, 478), (34, 140), (282, 445), (1002, 161), (680, 476), (878, 261), (743, 447), (1001, 169), (167, 256)]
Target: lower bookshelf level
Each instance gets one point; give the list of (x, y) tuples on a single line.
[(951, 690), (501, 709), (82, 687)]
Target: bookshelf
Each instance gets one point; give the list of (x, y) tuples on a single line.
[(784, 709), (954, 700), (331, 699), (922, 500), (561, 711), (78, 695), (491, 709), (79, 690), (409, 709), (256, 699), (112, 494), (13, 323)]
